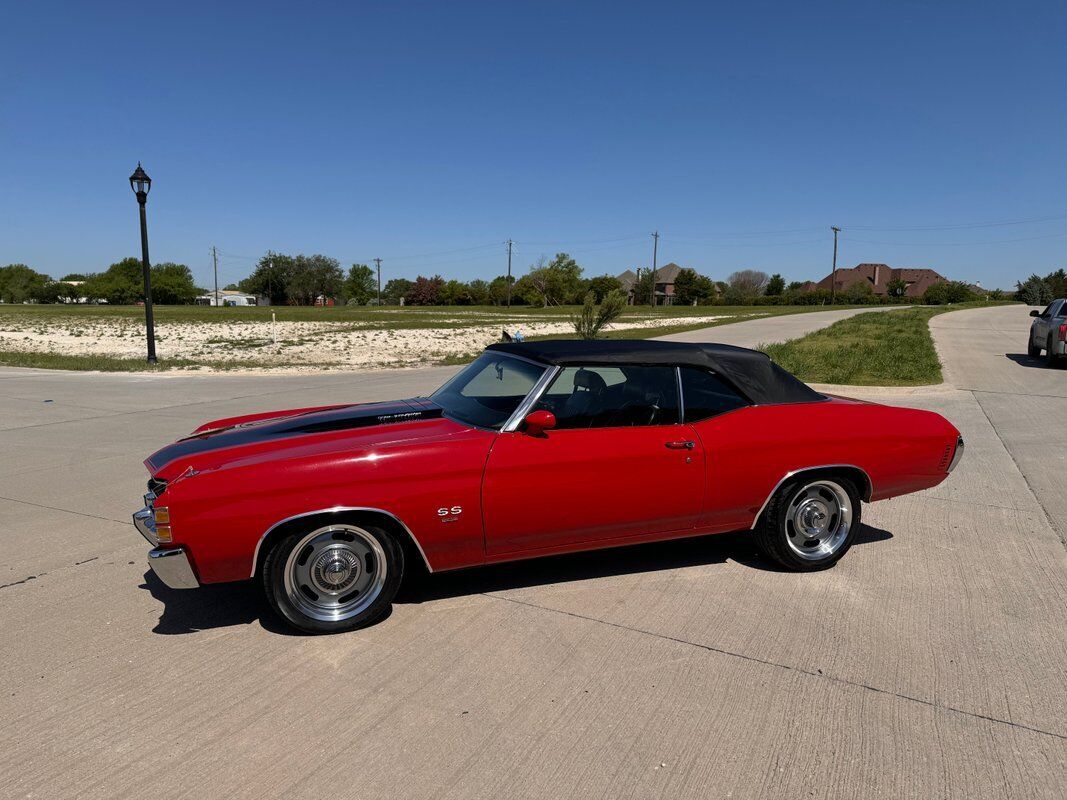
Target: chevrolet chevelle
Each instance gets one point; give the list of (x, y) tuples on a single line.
[(534, 449)]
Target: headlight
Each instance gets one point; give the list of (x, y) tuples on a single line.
[(161, 515)]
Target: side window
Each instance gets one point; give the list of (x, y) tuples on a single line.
[(706, 395), (612, 397), (1048, 310)]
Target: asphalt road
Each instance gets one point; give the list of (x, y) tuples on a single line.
[(928, 663)]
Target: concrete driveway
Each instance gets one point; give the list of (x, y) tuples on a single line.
[(929, 663)]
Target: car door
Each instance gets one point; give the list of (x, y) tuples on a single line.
[(1040, 329), (618, 463)]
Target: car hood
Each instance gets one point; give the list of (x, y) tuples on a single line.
[(284, 427)]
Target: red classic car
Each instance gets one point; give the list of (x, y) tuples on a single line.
[(534, 449)]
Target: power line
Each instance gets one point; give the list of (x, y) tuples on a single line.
[(959, 244)]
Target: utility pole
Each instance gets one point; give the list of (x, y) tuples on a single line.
[(652, 290), (833, 280), (378, 264), (270, 288), (510, 243), (215, 259)]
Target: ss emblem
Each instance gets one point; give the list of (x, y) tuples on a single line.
[(453, 511)]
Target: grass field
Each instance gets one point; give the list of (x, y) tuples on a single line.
[(890, 348), (111, 338)]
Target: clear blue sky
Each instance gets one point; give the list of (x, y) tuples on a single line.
[(429, 133)]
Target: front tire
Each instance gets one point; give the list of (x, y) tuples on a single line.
[(334, 577), (810, 523)]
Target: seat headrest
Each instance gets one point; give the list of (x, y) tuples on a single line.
[(585, 379)]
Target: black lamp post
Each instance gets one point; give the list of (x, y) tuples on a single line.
[(141, 183)]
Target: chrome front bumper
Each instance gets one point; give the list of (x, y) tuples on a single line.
[(173, 568), (171, 565), (145, 523)]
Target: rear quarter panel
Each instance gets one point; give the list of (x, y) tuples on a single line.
[(750, 450)]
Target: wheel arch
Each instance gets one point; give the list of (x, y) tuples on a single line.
[(857, 475), (356, 514)]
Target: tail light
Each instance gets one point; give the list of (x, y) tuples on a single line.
[(1063, 332)]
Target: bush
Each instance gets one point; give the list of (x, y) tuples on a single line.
[(1035, 291), (592, 318), (948, 292)]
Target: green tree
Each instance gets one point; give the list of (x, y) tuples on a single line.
[(21, 284), (498, 290), (395, 290), (690, 288), (948, 292), (602, 285), (172, 284), (557, 282), (859, 293), (643, 288), (454, 293), (896, 287), (479, 291), (270, 278), (121, 284), (359, 287), (775, 286), (314, 276), (592, 318), (73, 276), (1034, 291), (1057, 283)]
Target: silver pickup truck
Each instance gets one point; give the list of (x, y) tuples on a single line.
[(1048, 332)]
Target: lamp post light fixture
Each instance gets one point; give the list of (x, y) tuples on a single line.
[(141, 183)]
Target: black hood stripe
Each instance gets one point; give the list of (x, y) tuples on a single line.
[(364, 415)]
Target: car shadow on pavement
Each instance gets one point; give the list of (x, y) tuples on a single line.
[(675, 554), (226, 605), (1023, 360)]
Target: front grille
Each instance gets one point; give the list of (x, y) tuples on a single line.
[(943, 463), (156, 486)]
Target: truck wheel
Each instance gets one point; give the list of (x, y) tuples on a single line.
[(810, 522), (337, 577), (1051, 359), (1032, 350)]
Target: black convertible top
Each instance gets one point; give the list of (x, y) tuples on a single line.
[(750, 371)]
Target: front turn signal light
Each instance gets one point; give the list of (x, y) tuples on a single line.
[(161, 516)]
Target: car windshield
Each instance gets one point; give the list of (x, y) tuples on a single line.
[(487, 392)]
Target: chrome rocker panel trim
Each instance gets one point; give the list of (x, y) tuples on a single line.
[(792, 473), (334, 510), (172, 567)]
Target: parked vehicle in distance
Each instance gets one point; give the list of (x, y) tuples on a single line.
[(1048, 332), (534, 449)]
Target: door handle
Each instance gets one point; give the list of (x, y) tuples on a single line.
[(688, 445)]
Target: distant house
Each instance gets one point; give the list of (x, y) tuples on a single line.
[(879, 276), (226, 297), (665, 278)]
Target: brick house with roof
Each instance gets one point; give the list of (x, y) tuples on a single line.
[(665, 278), (879, 276)]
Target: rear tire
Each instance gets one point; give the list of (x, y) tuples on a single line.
[(327, 578), (810, 523), (1051, 359)]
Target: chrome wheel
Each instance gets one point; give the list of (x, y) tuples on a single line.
[(335, 573), (818, 520)]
